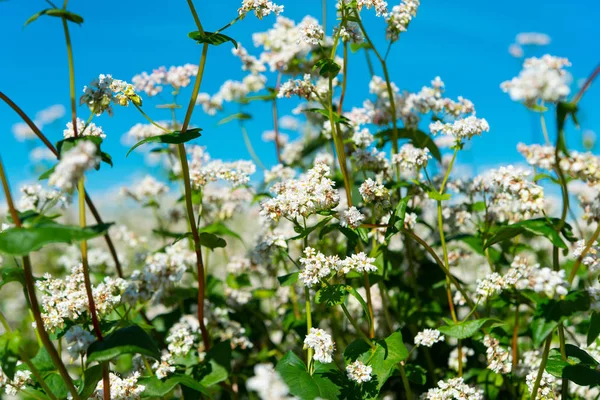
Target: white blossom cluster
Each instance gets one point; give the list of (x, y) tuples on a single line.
[(399, 18), (461, 129), (541, 80), (351, 217), (549, 386), (499, 359), (65, 300), (78, 340), (373, 192), (453, 357), (161, 271), (321, 343), (121, 388), (316, 267), (249, 62), (410, 157), (584, 166), (106, 91), (267, 383), (82, 130), (359, 372), (311, 32), (164, 367), (203, 170), (453, 389), (428, 337), (35, 197), (380, 6), (73, 164), (350, 33), (146, 189), (362, 138), (590, 259), (295, 198), (372, 160), (279, 172), (12, 387), (303, 88), (176, 76), (261, 8)]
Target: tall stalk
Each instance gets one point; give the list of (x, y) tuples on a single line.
[(33, 301)]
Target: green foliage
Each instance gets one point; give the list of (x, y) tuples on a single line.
[(212, 38), (175, 137), (22, 241), (332, 295), (466, 329), (128, 340), (56, 12)]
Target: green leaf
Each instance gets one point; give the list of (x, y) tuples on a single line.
[(396, 223), (42, 361), (10, 343), (305, 232), (47, 174), (91, 377), (594, 329), (56, 384), (301, 384), (221, 229), (327, 68), (337, 118), (417, 137), (12, 274), (332, 295), (239, 116), (433, 195), (215, 39), (175, 137), (289, 279), (582, 375), (154, 387), (550, 312), (362, 302), (22, 241), (383, 359), (415, 373), (129, 340), (466, 329), (217, 364), (211, 241), (539, 227), (56, 12)]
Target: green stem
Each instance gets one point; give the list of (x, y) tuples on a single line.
[(405, 381), (309, 351), (585, 251), (538, 379), (150, 119), (71, 75), (356, 326)]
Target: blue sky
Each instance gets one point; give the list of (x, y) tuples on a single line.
[(464, 42)]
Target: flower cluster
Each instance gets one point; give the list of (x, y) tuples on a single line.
[(73, 164), (428, 337), (399, 18), (176, 76), (106, 91), (359, 372), (261, 8), (321, 343)]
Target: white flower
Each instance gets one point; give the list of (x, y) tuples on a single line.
[(541, 79), (498, 358), (453, 358), (357, 262), (460, 129), (549, 386), (14, 386), (73, 165), (322, 344), (121, 388), (34, 197), (373, 192), (261, 8), (176, 76), (362, 138), (311, 33), (359, 372), (453, 389), (399, 18), (316, 266), (267, 383), (91, 130), (106, 91), (78, 340), (164, 367), (146, 189), (428, 337), (351, 217), (409, 157)]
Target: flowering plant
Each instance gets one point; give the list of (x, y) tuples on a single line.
[(377, 270)]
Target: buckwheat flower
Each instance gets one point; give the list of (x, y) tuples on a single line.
[(91, 130), (549, 386), (359, 372), (545, 280), (460, 129), (311, 193), (121, 388), (302, 88), (34, 197), (182, 336), (453, 358), (249, 62), (498, 358), (279, 172), (362, 138), (176, 76), (261, 8), (15, 385), (453, 389), (399, 18), (380, 6), (316, 267), (357, 262), (373, 192), (322, 344), (541, 79), (105, 91), (350, 33), (73, 165), (351, 217), (409, 157), (267, 383), (146, 189), (78, 340), (428, 337), (371, 159), (491, 285), (311, 33), (410, 220), (164, 367)]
